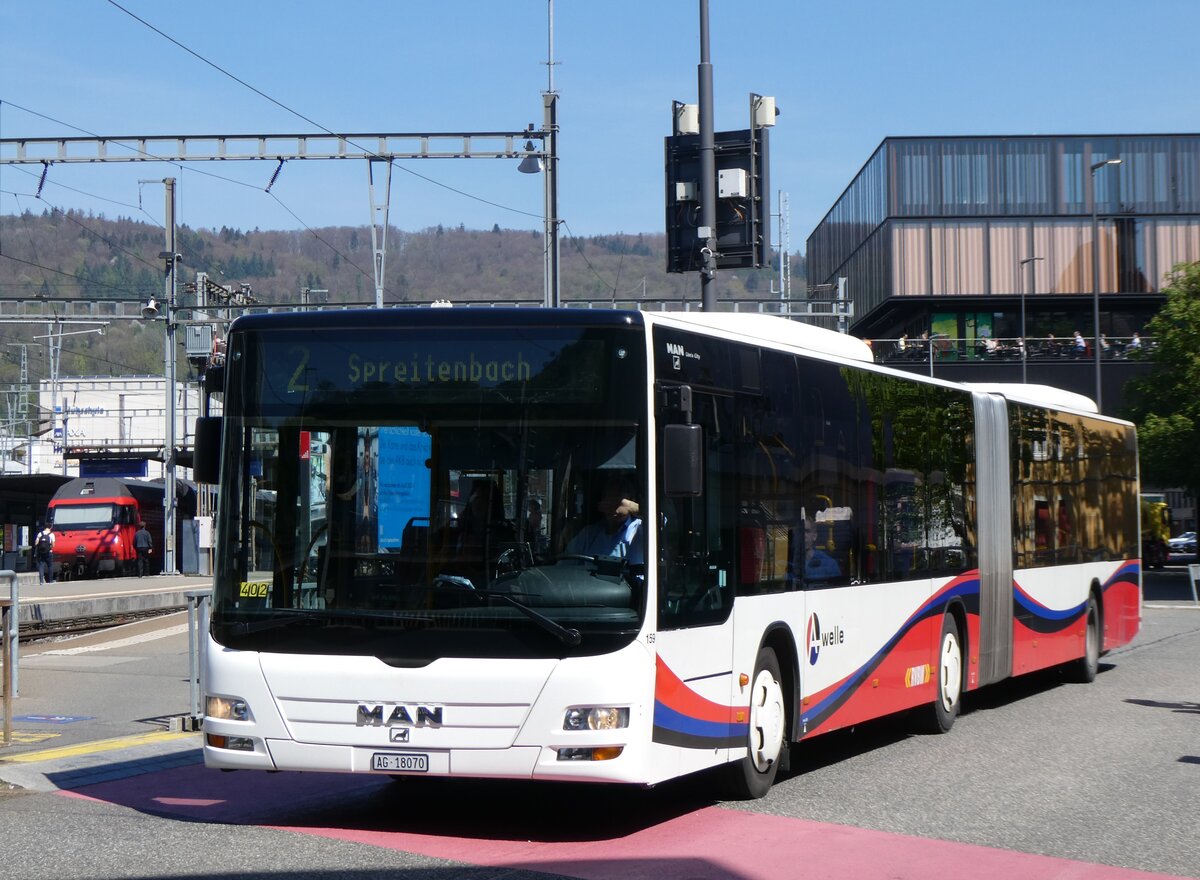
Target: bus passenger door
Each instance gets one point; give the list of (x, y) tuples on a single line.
[(696, 517)]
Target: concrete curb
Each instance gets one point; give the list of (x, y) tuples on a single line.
[(101, 761), (43, 611)]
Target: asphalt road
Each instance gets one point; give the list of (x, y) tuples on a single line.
[(1106, 774)]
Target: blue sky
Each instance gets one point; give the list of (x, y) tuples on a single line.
[(845, 74)]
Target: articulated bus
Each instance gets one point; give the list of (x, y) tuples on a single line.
[(806, 540)]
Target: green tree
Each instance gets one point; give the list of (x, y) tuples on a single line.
[(1164, 403)]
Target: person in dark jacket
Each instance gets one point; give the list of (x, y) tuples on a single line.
[(144, 545), (43, 554)]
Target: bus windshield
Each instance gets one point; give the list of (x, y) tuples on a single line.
[(416, 493)]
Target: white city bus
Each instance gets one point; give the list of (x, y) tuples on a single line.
[(806, 540)]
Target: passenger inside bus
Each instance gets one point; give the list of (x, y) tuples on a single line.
[(481, 525), (819, 565), (473, 541), (533, 533), (618, 530)]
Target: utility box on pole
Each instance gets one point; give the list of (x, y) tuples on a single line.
[(743, 210)]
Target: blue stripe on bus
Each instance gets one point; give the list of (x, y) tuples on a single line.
[(960, 589), (1037, 609), (670, 719)]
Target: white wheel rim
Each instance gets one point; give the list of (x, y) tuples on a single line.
[(951, 671), (766, 721), (1092, 642)]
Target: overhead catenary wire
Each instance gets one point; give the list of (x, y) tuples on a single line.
[(139, 207), (84, 281), (305, 118), (82, 192), (575, 241), (32, 244), (181, 168)]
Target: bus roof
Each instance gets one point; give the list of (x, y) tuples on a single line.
[(1042, 395), (755, 327)]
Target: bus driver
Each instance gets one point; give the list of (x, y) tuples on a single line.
[(618, 530)]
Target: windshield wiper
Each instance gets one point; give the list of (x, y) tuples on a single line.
[(566, 635), (284, 619)]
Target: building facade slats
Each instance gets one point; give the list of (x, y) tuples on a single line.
[(936, 234)]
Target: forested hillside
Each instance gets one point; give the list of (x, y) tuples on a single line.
[(71, 255)]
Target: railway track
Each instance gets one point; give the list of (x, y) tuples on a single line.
[(34, 631)]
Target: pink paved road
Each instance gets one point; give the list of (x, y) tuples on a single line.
[(680, 844)]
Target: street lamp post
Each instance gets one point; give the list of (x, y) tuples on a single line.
[(708, 171), (1024, 342), (169, 489), (1096, 166)]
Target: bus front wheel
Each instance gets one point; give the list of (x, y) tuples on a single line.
[(949, 681), (752, 776)]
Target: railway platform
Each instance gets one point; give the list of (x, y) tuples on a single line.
[(47, 608)]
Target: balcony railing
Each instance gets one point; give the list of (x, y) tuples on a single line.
[(944, 349)]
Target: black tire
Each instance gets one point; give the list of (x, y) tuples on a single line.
[(948, 677), (752, 776), (1085, 668)]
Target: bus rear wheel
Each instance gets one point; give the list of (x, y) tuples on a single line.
[(949, 679), (752, 776), (1086, 667)]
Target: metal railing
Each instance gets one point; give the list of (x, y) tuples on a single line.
[(9, 624), (943, 349), (199, 602), (789, 308)]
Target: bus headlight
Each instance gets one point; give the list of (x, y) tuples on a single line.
[(228, 709), (596, 718)]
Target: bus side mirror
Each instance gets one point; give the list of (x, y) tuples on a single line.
[(206, 456), (683, 460), (214, 380)]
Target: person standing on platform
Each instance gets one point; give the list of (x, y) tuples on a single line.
[(144, 545), (43, 554)]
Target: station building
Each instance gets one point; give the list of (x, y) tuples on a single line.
[(95, 426), (110, 426), (985, 245)]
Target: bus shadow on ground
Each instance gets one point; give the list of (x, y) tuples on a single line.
[(879, 733), (541, 812), (469, 808), (1013, 690)]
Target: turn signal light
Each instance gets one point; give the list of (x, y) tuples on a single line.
[(601, 754), (236, 743)]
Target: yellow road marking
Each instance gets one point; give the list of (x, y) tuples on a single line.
[(91, 748), (18, 737)]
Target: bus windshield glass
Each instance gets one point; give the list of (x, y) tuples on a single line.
[(437, 491)]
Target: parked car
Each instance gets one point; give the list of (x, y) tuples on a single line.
[(1183, 545)]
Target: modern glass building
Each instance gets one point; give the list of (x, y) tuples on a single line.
[(958, 237)]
